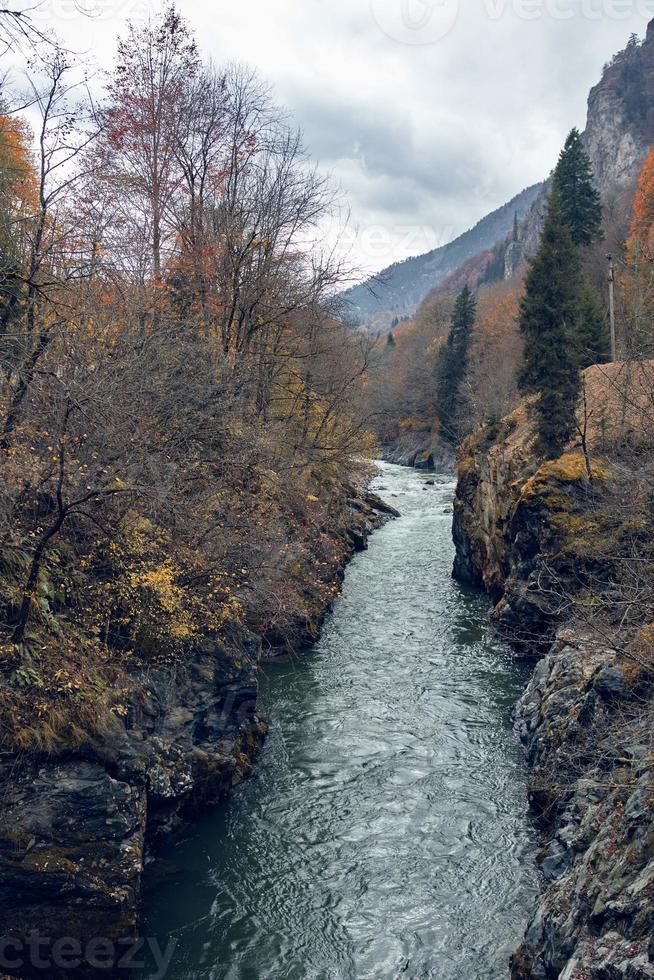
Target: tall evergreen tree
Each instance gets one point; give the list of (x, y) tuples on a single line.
[(453, 363), (592, 338), (549, 313), (581, 206)]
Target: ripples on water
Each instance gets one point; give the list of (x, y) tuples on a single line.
[(384, 833)]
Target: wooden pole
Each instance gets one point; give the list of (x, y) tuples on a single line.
[(612, 306)]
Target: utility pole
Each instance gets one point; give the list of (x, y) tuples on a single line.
[(612, 306)]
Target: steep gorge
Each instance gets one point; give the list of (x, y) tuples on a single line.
[(543, 540)]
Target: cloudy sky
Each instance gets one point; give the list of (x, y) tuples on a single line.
[(429, 113)]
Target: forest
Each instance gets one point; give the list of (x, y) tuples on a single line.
[(477, 343), (181, 405), (184, 406)]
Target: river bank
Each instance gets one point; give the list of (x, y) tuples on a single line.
[(80, 821), (547, 544), (421, 450)]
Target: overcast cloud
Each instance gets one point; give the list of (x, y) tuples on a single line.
[(429, 114)]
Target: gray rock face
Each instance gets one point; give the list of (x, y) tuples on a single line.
[(616, 150), (595, 919), (616, 145), (71, 850), (74, 832), (482, 513), (421, 451), (513, 258)]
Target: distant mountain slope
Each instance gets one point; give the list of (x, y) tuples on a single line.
[(619, 132), (400, 288)]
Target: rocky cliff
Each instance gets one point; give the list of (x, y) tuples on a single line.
[(75, 829), (549, 543), (619, 132), (588, 736), (79, 821), (421, 450)]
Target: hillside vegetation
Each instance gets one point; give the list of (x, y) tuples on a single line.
[(178, 409), (400, 289)]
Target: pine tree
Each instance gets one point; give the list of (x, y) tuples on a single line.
[(390, 340), (549, 314), (453, 363), (592, 338), (581, 206)]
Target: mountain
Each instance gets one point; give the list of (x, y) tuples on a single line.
[(619, 132), (399, 289)]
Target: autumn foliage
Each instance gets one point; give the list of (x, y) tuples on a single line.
[(404, 375), (636, 275), (179, 408)]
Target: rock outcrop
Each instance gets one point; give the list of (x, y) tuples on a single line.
[(619, 127), (536, 537), (619, 132), (420, 450), (589, 744), (75, 831), (78, 825)]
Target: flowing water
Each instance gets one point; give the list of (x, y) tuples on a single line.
[(384, 832)]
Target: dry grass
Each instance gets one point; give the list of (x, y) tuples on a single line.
[(72, 693), (619, 410)]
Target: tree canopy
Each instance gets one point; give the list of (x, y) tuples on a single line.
[(549, 312), (581, 207)]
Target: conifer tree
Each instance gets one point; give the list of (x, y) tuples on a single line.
[(581, 206), (592, 337), (549, 313), (453, 363)]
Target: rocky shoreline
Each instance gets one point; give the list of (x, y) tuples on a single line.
[(589, 747), (419, 451), (77, 827), (585, 718)]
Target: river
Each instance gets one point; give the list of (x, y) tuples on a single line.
[(384, 833)]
